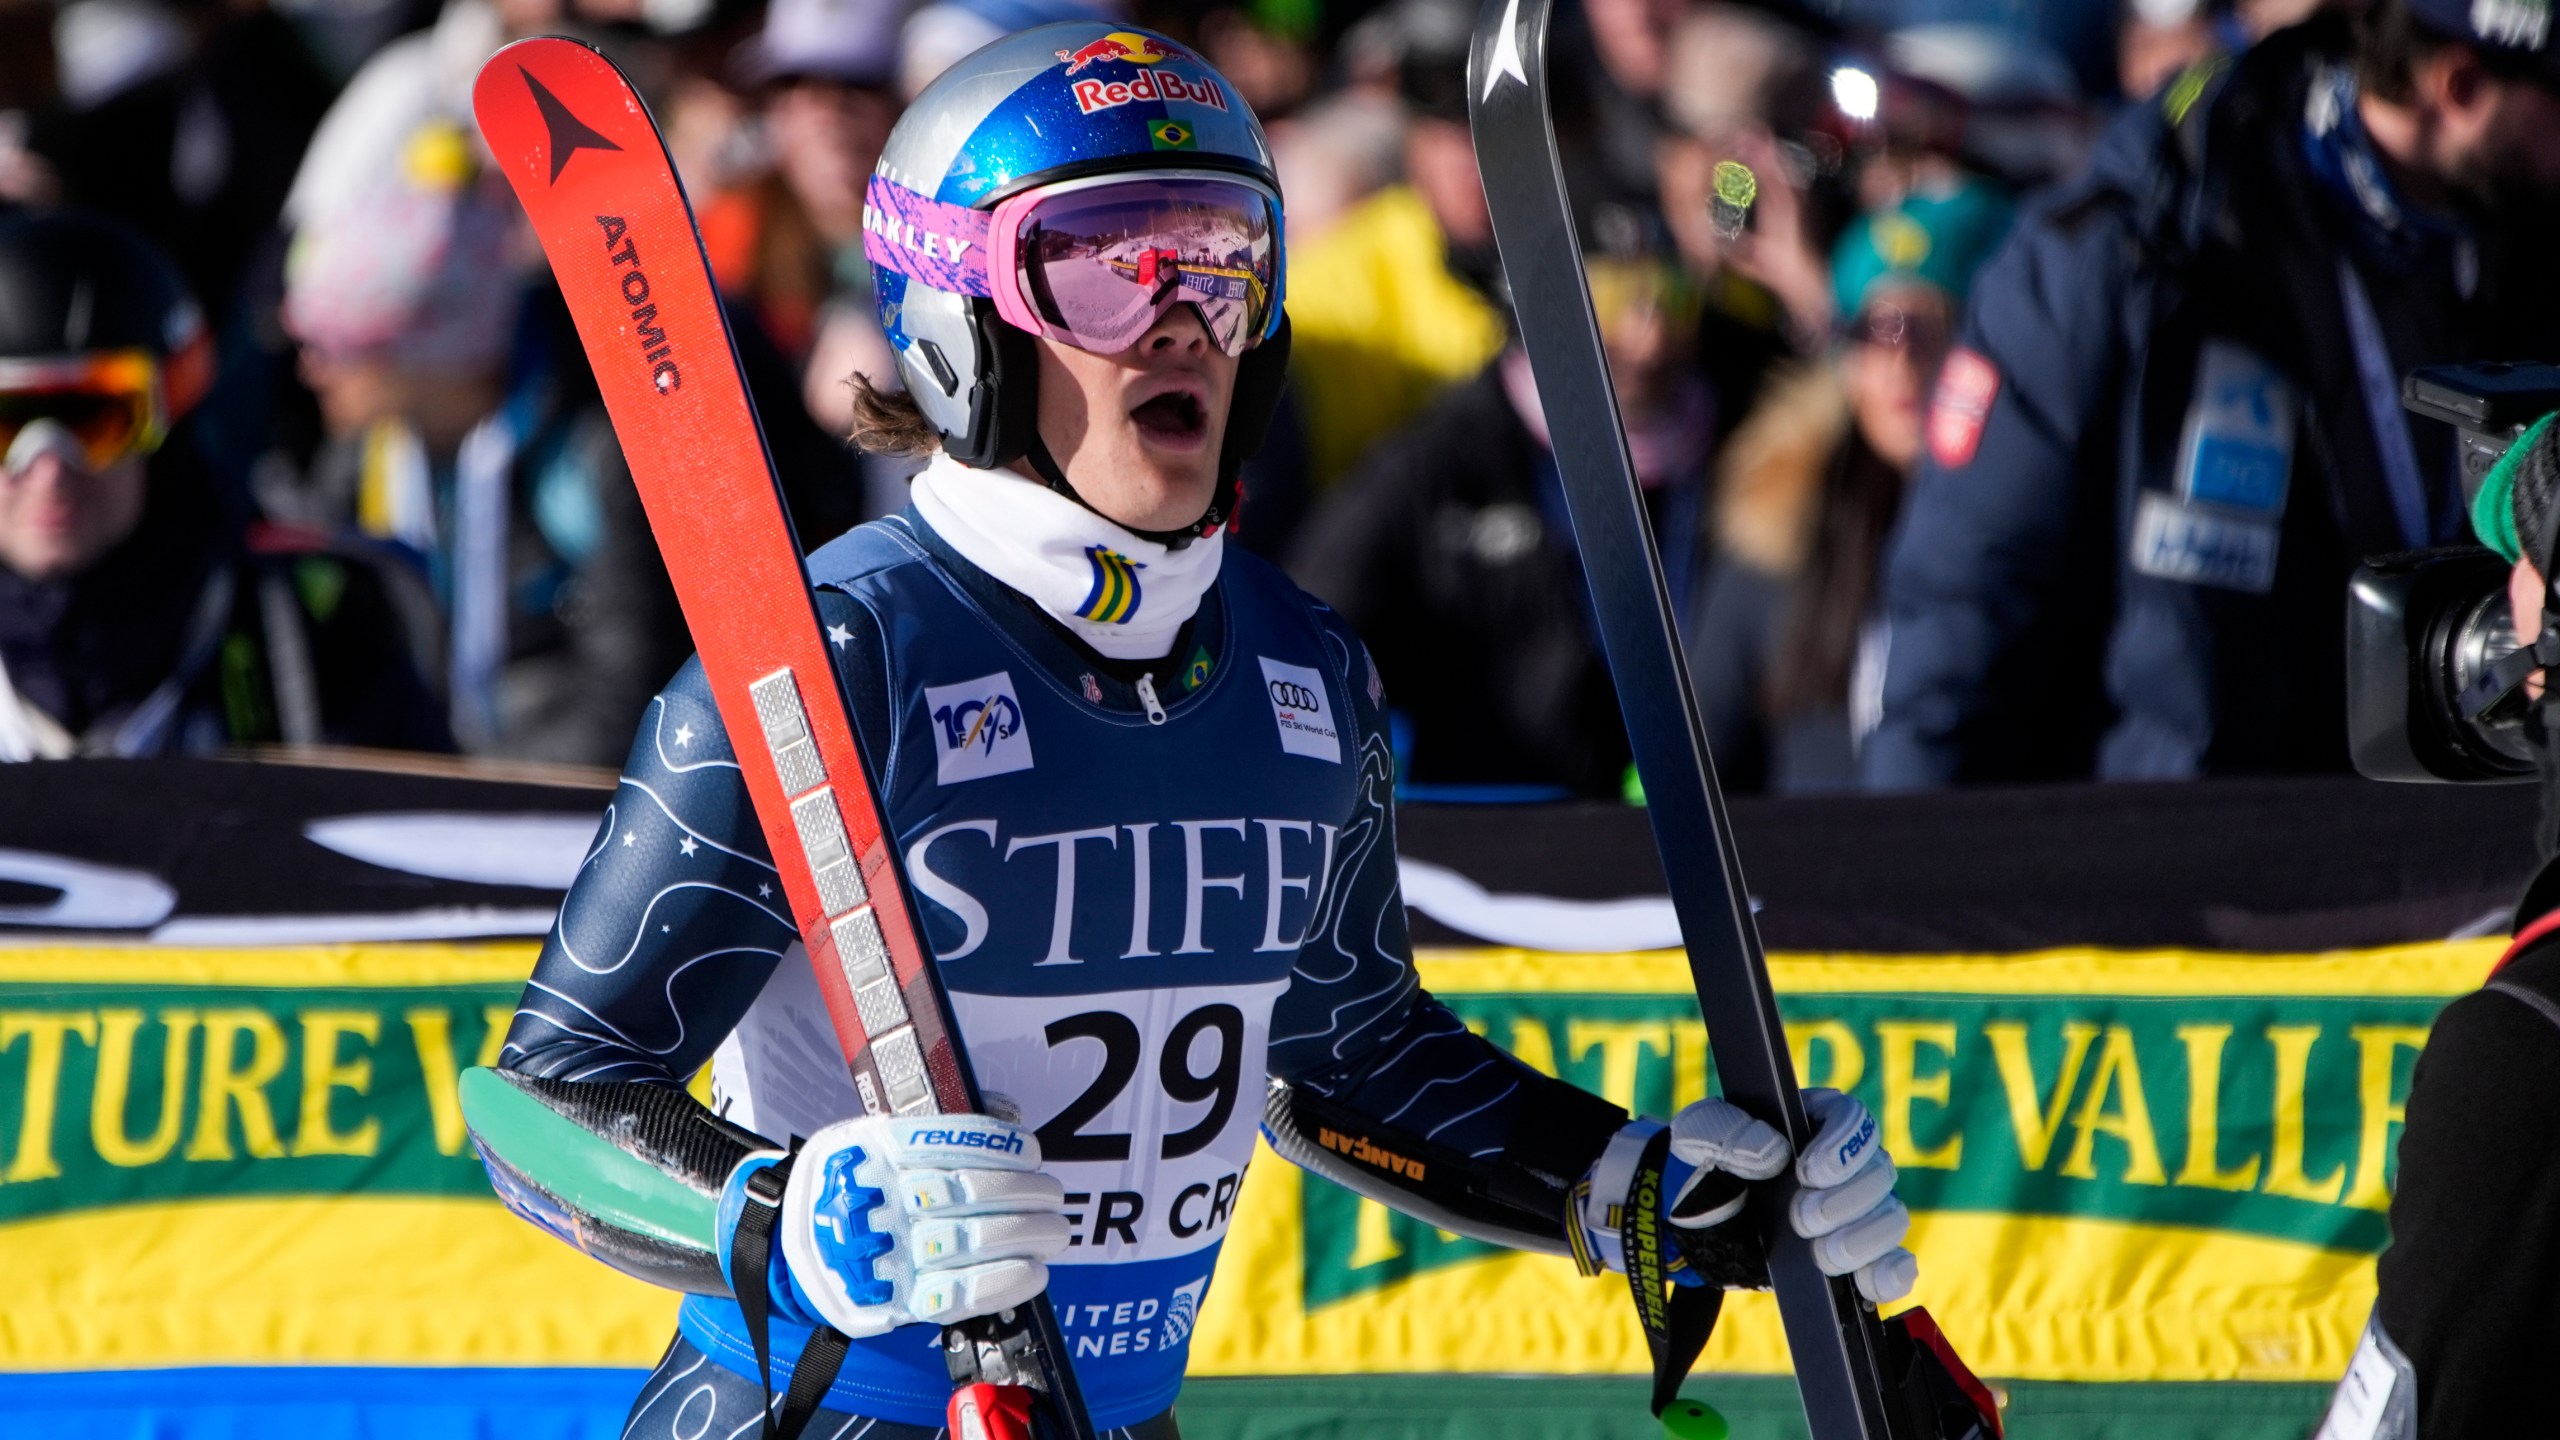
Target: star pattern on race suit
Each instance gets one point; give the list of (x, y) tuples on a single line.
[(669, 933), (839, 636)]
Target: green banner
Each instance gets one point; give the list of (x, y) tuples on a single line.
[(111, 1095), (2273, 1116)]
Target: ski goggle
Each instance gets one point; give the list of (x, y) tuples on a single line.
[(1096, 263), (114, 403)]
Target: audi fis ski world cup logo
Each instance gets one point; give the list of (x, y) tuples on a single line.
[(1298, 707), (655, 350), (978, 729)]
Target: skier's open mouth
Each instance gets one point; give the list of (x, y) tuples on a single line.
[(1174, 418)]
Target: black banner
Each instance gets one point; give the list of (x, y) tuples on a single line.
[(238, 852)]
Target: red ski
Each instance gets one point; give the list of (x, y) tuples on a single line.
[(592, 172)]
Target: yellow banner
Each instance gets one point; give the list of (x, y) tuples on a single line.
[(2154, 1166)]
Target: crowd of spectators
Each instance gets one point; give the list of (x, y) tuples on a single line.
[(373, 499)]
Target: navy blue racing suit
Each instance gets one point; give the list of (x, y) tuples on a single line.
[(1157, 938), (2172, 429)]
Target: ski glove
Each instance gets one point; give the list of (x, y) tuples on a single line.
[(888, 1222), (1845, 1202)]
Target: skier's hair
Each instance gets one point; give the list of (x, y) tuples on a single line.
[(889, 422)]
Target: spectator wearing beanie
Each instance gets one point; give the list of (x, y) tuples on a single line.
[(1783, 645)]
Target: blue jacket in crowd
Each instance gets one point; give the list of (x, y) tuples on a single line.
[(2170, 432)]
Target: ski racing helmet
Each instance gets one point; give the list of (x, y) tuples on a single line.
[(1078, 181), (101, 347)]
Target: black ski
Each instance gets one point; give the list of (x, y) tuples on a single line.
[(1851, 1372)]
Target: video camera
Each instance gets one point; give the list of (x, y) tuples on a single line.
[(2428, 698)]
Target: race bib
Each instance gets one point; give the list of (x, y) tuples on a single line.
[(1146, 1103)]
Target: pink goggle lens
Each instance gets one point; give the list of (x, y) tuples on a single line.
[(1099, 266)]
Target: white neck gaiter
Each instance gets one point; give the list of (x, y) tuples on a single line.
[(1121, 595)]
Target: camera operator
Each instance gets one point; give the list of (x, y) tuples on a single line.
[(2463, 1327), (2171, 425)]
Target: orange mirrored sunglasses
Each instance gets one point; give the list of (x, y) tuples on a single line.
[(115, 403)]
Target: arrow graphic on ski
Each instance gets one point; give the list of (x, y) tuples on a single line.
[(593, 174), (1505, 59), (569, 134)]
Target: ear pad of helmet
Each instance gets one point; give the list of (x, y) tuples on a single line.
[(1004, 408), (1260, 376)]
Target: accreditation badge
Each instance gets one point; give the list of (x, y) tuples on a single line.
[(2220, 523)]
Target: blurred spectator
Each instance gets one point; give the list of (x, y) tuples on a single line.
[(2014, 108), (2173, 427), (2159, 39), (463, 424), (502, 477), (1449, 549), (1737, 199), (1783, 650), (1267, 50), (137, 615), (1398, 301), (185, 120), (2082, 35), (1335, 153), (791, 245), (942, 31), (409, 84), (1611, 61)]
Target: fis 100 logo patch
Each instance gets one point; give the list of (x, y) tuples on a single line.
[(978, 729)]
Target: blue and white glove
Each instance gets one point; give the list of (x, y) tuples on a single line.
[(1844, 1204), (888, 1222)]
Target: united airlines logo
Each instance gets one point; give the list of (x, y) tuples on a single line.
[(1113, 600), (978, 729), (1184, 1312)]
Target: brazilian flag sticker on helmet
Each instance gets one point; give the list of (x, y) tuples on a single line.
[(1172, 135)]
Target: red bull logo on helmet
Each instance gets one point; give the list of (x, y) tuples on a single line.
[(1126, 46), (1165, 85)]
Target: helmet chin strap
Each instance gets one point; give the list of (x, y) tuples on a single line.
[(1220, 507)]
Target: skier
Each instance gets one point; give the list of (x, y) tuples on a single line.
[(1143, 792)]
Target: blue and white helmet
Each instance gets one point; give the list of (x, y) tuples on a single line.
[(1062, 102)]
